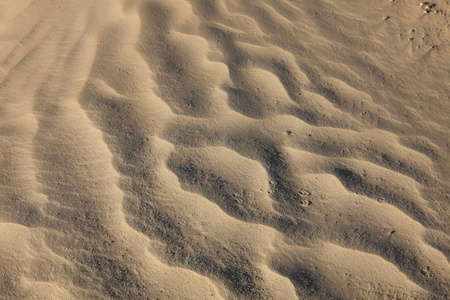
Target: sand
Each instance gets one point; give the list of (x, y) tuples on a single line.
[(224, 149)]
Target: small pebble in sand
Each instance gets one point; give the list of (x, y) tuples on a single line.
[(304, 193), (426, 271), (427, 6), (305, 203)]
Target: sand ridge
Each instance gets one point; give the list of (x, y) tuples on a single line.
[(193, 149)]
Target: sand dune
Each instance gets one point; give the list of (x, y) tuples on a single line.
[(224, 149)]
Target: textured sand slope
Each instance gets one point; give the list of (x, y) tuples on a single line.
[(201, 149)]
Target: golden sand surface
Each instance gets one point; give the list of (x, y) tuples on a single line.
[(224, 149)]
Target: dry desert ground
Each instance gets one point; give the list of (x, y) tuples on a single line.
[(224, 149)]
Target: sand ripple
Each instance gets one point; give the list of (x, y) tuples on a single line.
[(197, 149)]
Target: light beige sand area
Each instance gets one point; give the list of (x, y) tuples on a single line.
[(224, 149)]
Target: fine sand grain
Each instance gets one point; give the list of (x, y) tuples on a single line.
[(224, 149)]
